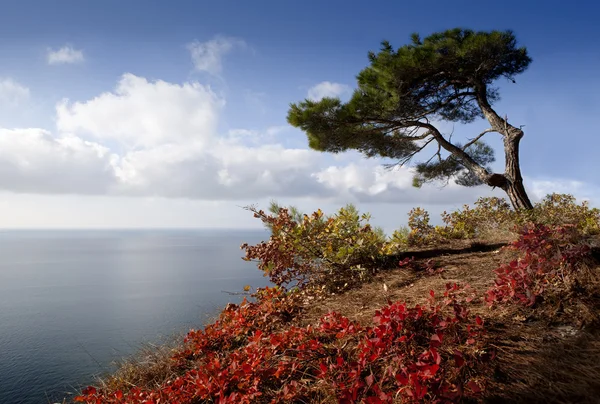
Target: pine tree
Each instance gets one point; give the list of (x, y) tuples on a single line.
[(448, 76)]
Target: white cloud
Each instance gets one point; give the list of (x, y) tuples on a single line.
[(328, 89), (225, 170), (356, 178), (153, 138), (12, 93), (161, 139), (207, 56), (66, 54), (580, 190), (140, 113), (541, 188), (368, 182), (31, 160)]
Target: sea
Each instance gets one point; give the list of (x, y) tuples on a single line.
[(73, 302)]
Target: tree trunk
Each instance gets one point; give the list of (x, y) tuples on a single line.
[(512, 171), (511, 181), (518, 197)]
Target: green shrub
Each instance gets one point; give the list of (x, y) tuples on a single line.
[(330, 252), (494, 218), (490, 218), (397, 242), (334, 252), (562, 209), (421, 232)]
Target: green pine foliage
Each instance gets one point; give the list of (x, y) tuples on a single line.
[(449, 76)]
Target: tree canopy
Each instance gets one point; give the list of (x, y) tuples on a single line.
[(448, 76)]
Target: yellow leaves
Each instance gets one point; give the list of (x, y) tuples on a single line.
[(494, 216), (421, 232), (562, 209), (318, 249), (489, 214)]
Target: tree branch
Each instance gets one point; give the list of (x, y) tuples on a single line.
[(438, 154), (499, 124), (393, 125), (448, 101), (478, 137), (410, 156), (459, 153)]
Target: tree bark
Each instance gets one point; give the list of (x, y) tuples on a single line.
[(511, 181), (518, 196), (512, 172)]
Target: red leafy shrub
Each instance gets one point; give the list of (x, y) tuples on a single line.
[(419, 354), (551, 255), (280, 258), (273, 308)]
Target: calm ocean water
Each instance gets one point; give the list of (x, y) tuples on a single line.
[(72, 302)]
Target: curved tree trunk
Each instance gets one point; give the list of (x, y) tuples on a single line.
[(518, 196), (511, 181), (512, 172)]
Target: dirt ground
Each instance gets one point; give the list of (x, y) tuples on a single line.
[(544, 354)]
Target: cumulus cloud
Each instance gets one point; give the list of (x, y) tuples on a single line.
[(154, 138), (225, 170), (32, 160), (328, 89), (12, 93), (207, 56), (358, 179), (65, 55), (139, 113)]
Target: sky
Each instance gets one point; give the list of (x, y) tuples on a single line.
[(156, 114)]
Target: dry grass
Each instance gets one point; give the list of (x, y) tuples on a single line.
[(150, 367), (551, 353), (413, 285), (538, 364)]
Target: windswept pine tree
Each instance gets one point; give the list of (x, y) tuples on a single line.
[(448, 76)]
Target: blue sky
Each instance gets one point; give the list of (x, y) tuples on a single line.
[(128, 127)]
